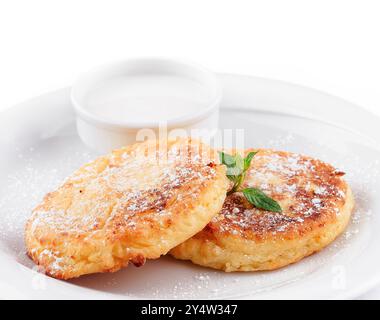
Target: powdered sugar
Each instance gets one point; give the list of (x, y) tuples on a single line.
[(119, 185), (305, 187), (33, 173)]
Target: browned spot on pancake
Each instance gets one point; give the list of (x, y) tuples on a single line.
[(146, 205), (212, 165), (309, 191), (139, 260)]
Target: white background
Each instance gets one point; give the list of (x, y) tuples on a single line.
[(330, 45)]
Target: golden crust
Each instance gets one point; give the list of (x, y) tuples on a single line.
[(316, 202), (134, 204)]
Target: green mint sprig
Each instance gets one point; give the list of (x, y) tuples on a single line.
[(237, 167)]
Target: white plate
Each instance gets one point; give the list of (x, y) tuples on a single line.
[(39, 147)]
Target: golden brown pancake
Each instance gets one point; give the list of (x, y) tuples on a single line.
[(316, 207), (134, 204)]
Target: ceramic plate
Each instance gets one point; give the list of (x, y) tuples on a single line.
[(39, 148)]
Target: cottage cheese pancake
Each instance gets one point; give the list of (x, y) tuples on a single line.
[(316, 206), (134, 204)]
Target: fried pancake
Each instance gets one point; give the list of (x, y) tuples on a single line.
[(316, 207), (134, 204)]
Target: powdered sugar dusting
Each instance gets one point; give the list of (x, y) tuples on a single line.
[(26, 184), (126, 185), (32, 173), (307, 189)]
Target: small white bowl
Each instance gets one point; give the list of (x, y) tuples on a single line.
[(115, 103)]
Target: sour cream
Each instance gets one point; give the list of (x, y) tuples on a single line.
[(150, 98), (114, 103)]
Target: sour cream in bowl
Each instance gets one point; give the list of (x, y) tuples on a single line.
[(116, 104)]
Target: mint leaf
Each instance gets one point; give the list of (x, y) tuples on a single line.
[(239, 164), (260, 200), (248, 159), (227, 159), (234, 171), (237, 167), (234, 164)]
